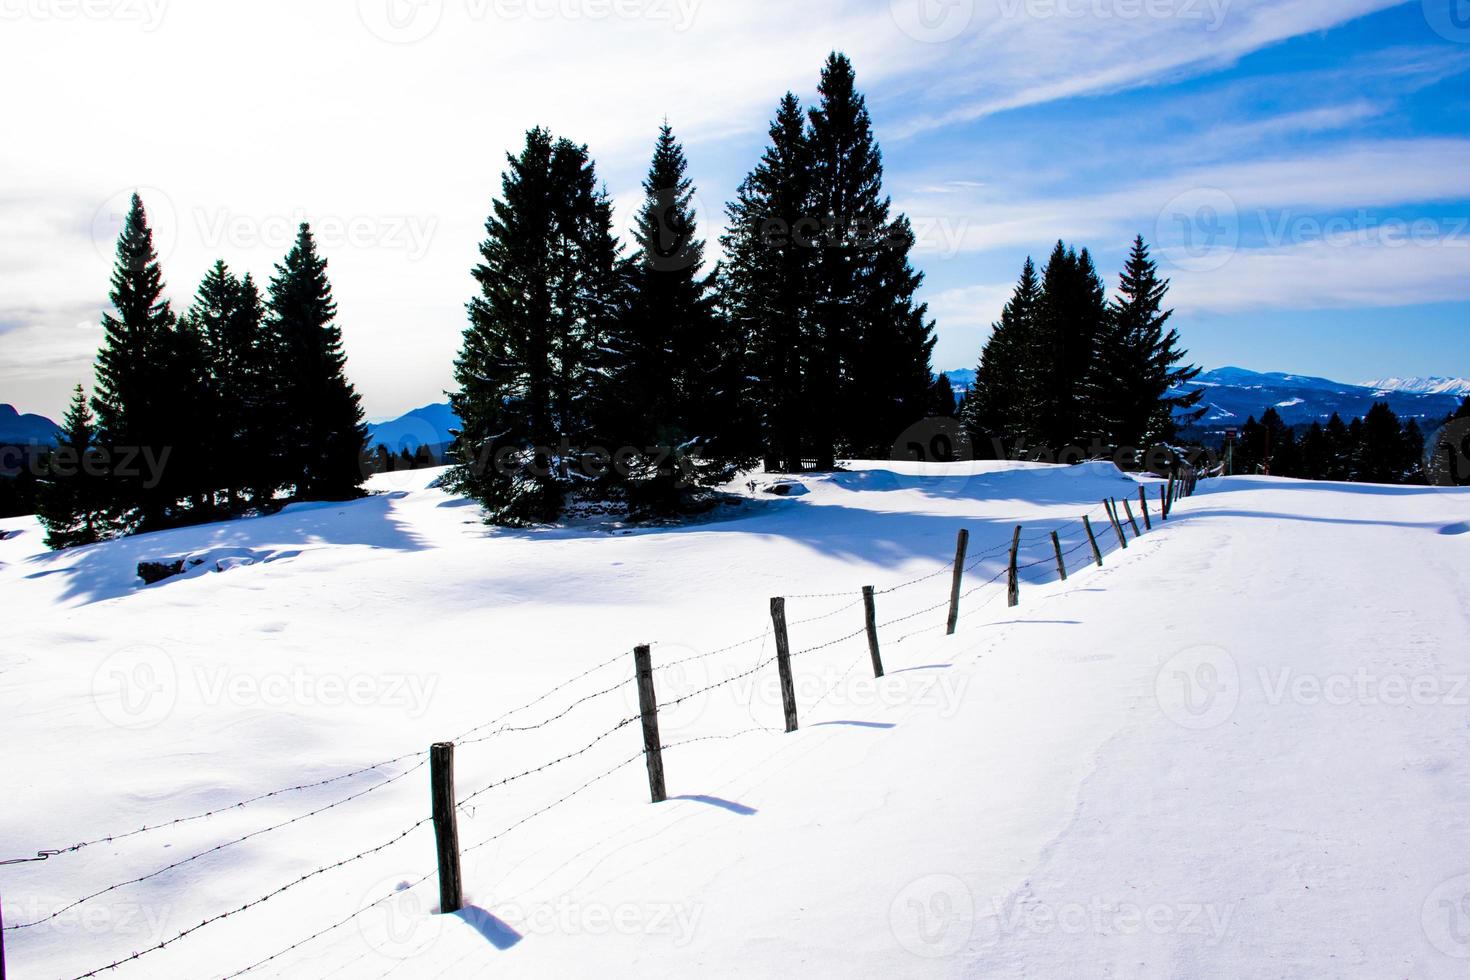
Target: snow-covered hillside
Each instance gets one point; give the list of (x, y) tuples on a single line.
[(1458, 387), (1238, 749)]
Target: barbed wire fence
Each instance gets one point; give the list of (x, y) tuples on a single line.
[(644, 677)]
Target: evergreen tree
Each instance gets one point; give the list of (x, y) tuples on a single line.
[(678, 380), (768, 285), (999, 410), (1071, 317), (229, 316), (1137, 363), (1338, 449), (322, 435), (941, 399), (1415, 470), (533, 352), (131, 398), (71, 504), (1313, 455), (869, 370), (1381, 447)]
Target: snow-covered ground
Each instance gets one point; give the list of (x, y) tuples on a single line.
[(1239, 749)]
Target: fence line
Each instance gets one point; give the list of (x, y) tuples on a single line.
[(1179, 488)]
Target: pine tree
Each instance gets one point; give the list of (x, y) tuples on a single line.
[(941, 399), (678, 379), (131, 398), (1381, 449), (870, 343), (535, 351), (229, 316), (999, 410), (323, 436), (768, 285), (1137, 363), (1071, 317), (71, 503), (1339, 450)]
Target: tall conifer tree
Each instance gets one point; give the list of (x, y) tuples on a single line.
[(322, 435)]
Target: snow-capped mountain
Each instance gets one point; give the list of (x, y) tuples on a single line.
[(1458, 387), (1233, 395)]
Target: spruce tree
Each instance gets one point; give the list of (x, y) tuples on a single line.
[(71, 504), (1449, 464), (1382, 455), (768, 285), (999, 409), (535, 352), (870, 342), (131, 397), (1338, 449), (322, 434), (678, 379), (1137, 362), (1070, 320)]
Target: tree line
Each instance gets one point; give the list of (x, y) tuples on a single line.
[(1377, 448), (203, 415), (588, 373), (1066, 367)]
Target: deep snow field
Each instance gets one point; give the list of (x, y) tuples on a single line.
[(1239, 749)]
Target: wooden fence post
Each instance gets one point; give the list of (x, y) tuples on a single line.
[(653, 749), (1113, 518), (446, 826), (783, 662), (1096, 551), (961, 546), (1056, 542), (1148, 524), (1014, 581), (1171, 495), (870, 611), (1128, 509), (1164, 502)]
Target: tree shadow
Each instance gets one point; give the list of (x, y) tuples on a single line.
[(109, 570)]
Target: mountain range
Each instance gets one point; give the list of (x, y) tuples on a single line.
[(22, 430)]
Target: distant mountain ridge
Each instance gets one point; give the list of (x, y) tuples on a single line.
[(1458, 387), (18, 429), (427, 426)]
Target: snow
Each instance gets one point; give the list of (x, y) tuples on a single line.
[(1291, 402), (1459, 387), (1236, 750)]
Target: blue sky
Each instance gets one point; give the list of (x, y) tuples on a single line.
[(1300, 165)]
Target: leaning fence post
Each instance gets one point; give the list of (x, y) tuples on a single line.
[(1113, 518), (1128, 508), (1164, 502), (1096, 551), (653, 749), (1014, 582), (871, 613), (961, 545), (1056, 542), (783, 662), (446, 826), (1171, 494), (1148, 524)]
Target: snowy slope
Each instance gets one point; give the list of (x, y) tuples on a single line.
[(1135, 774), (1459, 387)]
